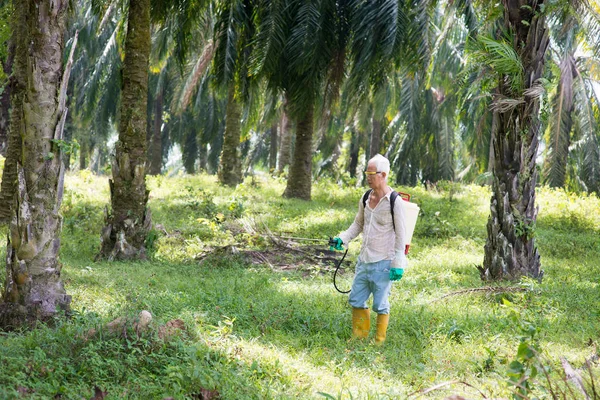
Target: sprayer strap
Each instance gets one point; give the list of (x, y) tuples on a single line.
[(393, 197)]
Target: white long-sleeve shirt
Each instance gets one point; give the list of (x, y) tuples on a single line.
[(380, 242)]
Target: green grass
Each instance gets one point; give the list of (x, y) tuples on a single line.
[(258, 332)]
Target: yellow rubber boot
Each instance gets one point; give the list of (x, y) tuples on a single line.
[(382, 324), (361, 323)]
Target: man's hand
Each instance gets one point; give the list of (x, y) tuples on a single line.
[(396, 274), (335, 243)]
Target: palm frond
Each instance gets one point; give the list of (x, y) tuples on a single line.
[(375, 33), (191, 83), (106, 64), (445, 149), (441, 40), (500, 57), (271, 36), (416, 41), (161, 48), (560, 125), (230, 21), (466, 8), (410, 111), (302, 45), (110, 7), (505, 104), (590, 166)]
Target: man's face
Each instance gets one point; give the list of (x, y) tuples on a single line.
[(374, 178)]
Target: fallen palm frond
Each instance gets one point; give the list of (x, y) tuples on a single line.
[(444, 384), (487, 289)]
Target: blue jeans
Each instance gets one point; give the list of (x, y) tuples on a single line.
[(372, 278)]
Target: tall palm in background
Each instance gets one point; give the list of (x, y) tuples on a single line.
[(571, 132), (303, 49), (96, 81), (128, 221), (234, 31)]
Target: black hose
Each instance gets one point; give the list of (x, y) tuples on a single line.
[(336, 271)]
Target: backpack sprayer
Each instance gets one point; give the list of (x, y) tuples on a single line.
[(411, 213)]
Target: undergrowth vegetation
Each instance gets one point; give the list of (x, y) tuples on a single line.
[(276, 328)]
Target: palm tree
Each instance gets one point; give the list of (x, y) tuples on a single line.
[(571, 120), (515, 51), (34, 289), (129, 220), (96, 78), (234, 31), (296, 44), (518, 58)]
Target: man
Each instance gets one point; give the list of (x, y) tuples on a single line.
[(381, 259)]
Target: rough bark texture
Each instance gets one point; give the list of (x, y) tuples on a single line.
[(34, 290), (16, 89), (273, 147), (230, 166), (285, 142), (374, 143), (5, 98), (510, 251), (300, 177), (156, 144), (129, 222)]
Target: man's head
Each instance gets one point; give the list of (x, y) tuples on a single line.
[(378, 169)]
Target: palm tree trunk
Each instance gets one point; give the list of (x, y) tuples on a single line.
[(190, 151), (273, 147), (375, 140), (202, 157), (300, 178), (128, 224), (156, 149), (10, 140), (354, 151), (285, 141), (230, 166), (34, 289), (510, 250), (5, 98), (83, 152)]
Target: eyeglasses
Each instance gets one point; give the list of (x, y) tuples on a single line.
[(372, 172)]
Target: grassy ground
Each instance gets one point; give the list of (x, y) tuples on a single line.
[(276, 328)]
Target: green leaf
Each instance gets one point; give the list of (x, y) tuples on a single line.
[(516, 367), (525, 352)]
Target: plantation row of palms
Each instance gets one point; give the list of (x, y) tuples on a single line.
[(447, 90)]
